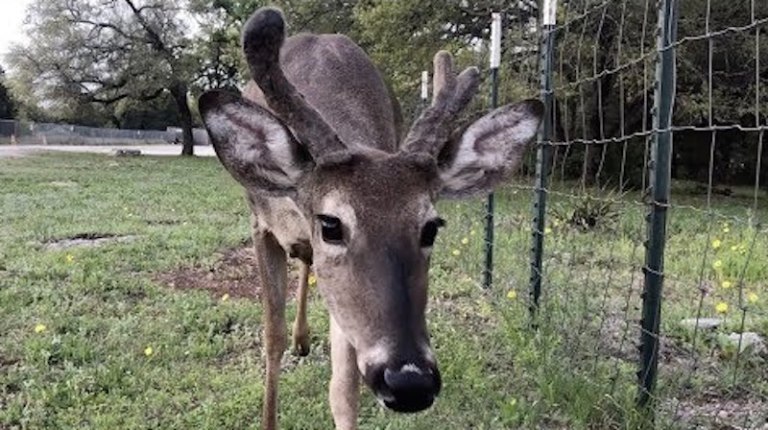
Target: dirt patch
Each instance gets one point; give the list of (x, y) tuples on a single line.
[(235, 273), (63, 184), (86, 239), (719, 413), (162, 221), (126, 153)]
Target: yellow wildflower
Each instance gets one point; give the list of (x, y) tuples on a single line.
[(717, 264), (726, 284), (465, 241), (148, 351), (716, 243), (312, 280), (734, 247), (512, 295), (70, 258), (39, 328), (547, 230), (721, 307), (752, 298), (456, 252), (726, 229), (225, 297), (472, 232)]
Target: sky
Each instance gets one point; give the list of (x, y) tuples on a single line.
[(12, 13)]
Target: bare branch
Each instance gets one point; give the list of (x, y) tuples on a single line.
[(155, 40)]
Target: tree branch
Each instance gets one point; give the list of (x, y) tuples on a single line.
[(152, 36)]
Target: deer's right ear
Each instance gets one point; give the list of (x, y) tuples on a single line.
[(257, 149)]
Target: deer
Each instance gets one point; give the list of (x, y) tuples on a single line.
[(316, 141)]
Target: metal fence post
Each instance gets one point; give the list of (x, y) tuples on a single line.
[(543, 152), (490, 204), (659, 191)]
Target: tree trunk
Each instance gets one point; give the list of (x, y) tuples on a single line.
[(179, 93)]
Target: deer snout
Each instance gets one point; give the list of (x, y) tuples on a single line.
[(408, 387)]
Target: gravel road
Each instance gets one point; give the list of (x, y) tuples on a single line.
[(9, 151)]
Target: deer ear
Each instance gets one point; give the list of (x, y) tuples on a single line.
[(257, 149), (488, 151)]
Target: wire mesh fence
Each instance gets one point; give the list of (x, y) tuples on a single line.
[(648, 265)]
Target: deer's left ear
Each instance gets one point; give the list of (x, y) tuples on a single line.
[(489, 150)]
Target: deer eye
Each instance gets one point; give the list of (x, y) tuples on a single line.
[(330, 228), (429, 232)]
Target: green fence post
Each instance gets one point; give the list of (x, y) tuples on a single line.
[(659, 170), (543, 152), (489, 206)]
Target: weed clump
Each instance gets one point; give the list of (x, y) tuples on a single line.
[(590, 211)]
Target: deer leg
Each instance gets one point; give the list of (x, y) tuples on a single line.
[(273, 274), (344, 390), (300, 326)]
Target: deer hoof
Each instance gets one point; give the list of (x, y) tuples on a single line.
[(301, 345)]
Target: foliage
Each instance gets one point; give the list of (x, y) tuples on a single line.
[(7, 104), (400, 36), (590, 210), (604, 71), (403, 36), (154, 114)]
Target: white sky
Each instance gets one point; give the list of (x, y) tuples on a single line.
[(11, 20)]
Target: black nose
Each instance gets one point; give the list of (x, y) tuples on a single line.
[(409, 388)]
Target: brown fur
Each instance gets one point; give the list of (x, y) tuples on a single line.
[(318, 143)]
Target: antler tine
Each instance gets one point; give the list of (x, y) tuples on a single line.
[(450, 95), (442, 79), (466, 88), (263, 35)]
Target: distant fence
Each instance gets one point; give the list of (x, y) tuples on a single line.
[(66, 134)]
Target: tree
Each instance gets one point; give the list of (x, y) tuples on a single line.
[(604, 70), (105, 51), (402, 36), (156, 114), (7, 106)]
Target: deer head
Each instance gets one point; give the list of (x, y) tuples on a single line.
[(371, 213)]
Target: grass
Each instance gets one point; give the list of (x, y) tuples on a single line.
[(77, 324)]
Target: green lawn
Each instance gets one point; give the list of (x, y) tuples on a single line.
[(90, 339)]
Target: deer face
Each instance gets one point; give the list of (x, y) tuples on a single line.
[(374, 225), (372, 214)]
